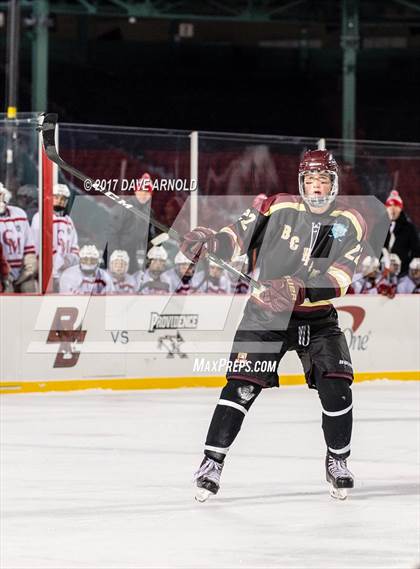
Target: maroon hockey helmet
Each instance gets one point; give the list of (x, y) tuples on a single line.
[(318, 161)]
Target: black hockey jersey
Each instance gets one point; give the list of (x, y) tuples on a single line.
[(321, 249)]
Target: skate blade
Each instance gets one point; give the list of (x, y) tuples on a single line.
[(338, 493), (201, 494)]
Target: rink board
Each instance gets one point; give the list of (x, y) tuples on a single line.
[(148, 342)]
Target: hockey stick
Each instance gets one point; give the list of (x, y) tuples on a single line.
[(48, 128)]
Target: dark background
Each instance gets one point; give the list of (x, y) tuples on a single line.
[(283, 77), (237, 88)]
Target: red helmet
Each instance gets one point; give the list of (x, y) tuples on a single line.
[(318, 161)]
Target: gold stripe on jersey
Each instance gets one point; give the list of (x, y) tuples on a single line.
[(229, 231), (341, 277), (316, 303), (352, 218), (284, 205)]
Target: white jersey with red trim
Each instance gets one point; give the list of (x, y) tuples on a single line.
[(366, 285), (147, 284), (407, 286), (65, 243), (180, 287), (16, 238), (126, 285), (75, 281), (219, 285)]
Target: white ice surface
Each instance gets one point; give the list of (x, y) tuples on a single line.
[(103, 479)]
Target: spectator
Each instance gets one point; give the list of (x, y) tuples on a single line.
[(129, 232), (18, 245), (86, 277), (410, 284), (65, 240), (118, 270), (153, 280), (183, 276), (402, 236), (27, 199), (389, 279)]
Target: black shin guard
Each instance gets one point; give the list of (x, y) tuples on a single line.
[(235, 400), (337, 416)]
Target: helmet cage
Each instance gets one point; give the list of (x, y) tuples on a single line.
[(318, 201), (157, 265), (370, 266), (89, 259), (119, 262), (89, 264), (395, 264), (215, 270), (184, 269), (119, 266), (414, 270)]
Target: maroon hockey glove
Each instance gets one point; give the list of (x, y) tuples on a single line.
[(281, 294), (197, 240)]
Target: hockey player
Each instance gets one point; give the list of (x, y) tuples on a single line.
[(86, 277), (65, 242), (183, 277), (18, 245), (153, 280), (389, 278), (410, 284), (118, 269), (367, 282), (216, 282), (309, 249)]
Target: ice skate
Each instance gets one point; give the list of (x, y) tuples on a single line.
[(207, 479), (338, 476)]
